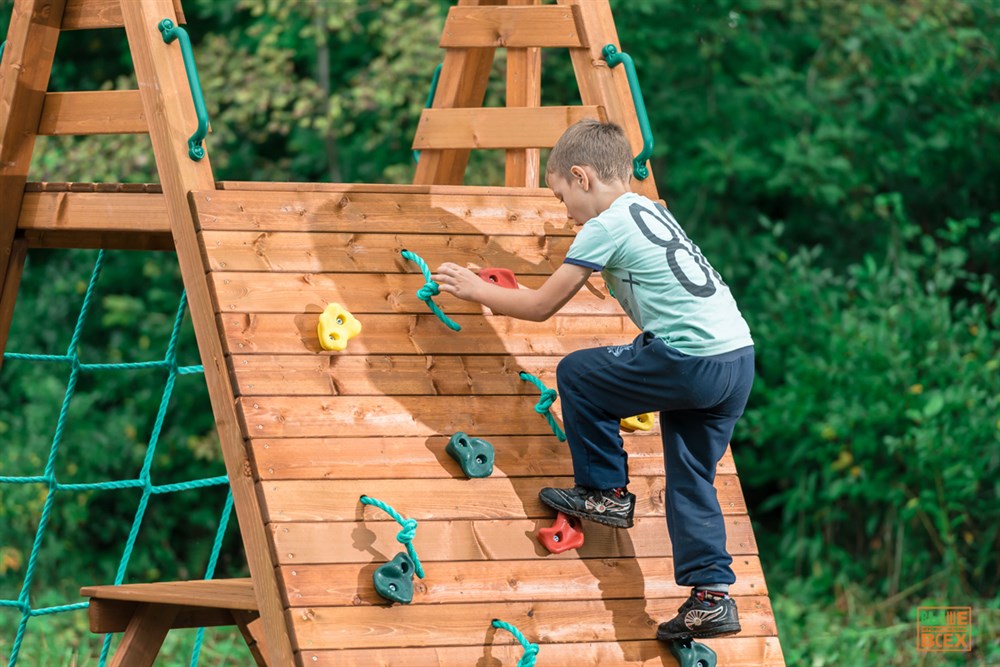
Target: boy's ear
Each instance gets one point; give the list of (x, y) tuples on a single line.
[(580, 176)]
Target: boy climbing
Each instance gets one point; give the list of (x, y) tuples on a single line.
[(693, 362)]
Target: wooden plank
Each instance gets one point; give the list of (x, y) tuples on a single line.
[(114, 616), (144, 636), (603, 86), (108, 240), (464, 76), (93, 112), (304, 543), (455, 499), (524, 89), (167, 102), (378, 253), (732, 652), (340, 375), (90, 14), (252, 629), (121, 213), (511, 27), (224, 593), (133, 188), (248, 292), (467, 191), (8, 291), (420, 213), (424, 458), (24, 77), (511, 127), (343, 585), (542, 622), (425, 334)]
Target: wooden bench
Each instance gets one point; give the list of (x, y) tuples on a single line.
[(145, 612)]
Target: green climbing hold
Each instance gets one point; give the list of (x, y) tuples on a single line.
[(394, 580), (475, 455), (690, 653)]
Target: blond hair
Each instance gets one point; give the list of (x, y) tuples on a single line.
[(592, 143)]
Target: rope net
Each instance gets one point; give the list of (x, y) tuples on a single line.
[(48, 482)]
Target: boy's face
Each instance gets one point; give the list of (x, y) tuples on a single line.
[(577, 194)]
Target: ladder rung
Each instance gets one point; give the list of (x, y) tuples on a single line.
[(508, 127), (516, 27), (93, 112), (87, 14)]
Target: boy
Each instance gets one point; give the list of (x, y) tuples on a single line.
[(693, 362)]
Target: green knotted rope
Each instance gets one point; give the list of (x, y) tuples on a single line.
[(405, 536), (144, 481), (430, 289), (530, 650), (544, 404)]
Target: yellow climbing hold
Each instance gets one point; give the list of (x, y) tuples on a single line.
[(336, 327), (643, 422)]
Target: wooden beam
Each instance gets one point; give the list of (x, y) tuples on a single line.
[(512, 27), (8, 291), (24, 77), (168, 105), (311, 542), (93, 112), (732, 652), (511, 127), (125, 213), (144, 636), (524, 89), (90, 14)]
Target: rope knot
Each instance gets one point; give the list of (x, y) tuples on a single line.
[(409, 531), (528, 659), (548, 397), (430, 289)]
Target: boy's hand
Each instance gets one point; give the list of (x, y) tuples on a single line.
[(458, 281)]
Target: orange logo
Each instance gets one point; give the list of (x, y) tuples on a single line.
[(944, 629)]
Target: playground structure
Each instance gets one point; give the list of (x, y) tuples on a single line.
[(307, 433)]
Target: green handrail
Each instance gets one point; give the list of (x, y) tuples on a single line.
[(171, 32), (613, 57), (3, 45), (430, 100)]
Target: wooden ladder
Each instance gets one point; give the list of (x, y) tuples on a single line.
[(457, 123), (162, 106)]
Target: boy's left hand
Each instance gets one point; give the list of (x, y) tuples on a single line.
[(458, 281)]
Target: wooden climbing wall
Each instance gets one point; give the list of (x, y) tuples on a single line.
[(324, 428)]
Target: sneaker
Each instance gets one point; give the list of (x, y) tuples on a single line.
[(608, 507), (701, 616)]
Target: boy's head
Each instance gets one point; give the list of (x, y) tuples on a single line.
[(589, 167), (591, 143)]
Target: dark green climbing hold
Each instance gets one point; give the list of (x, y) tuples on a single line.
[(690, 653), (475, 455), (394, 580)]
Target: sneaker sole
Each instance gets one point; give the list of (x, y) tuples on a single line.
[(596, 518), (719, 631)]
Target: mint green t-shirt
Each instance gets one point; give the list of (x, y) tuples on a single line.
[(660, 277)]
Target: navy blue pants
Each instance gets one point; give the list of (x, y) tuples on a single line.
[(699, 400)]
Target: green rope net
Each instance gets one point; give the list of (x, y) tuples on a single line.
[(429, 290), (544, 404), (144, 481), (530, 650), (405, 536)]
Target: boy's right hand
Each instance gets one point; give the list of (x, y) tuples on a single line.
[(458, 281)]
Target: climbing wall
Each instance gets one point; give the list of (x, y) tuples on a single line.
[(324, 428)]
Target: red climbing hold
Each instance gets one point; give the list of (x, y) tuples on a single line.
[(501, 277), (565, 534)]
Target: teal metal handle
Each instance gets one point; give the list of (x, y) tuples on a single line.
[(613, 57), (171, 32), (430, 99), (3, 45)]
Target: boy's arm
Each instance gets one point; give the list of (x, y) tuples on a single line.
[(524, 303)]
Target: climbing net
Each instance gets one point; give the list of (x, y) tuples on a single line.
[(53, 488)]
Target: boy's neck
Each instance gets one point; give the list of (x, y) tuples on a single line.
[(606, 193)]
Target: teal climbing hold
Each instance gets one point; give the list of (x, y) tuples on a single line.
[(690, 653), (475, 455), (394, 580)]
